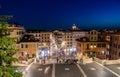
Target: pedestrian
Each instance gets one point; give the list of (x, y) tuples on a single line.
[(44, 61), (92, 58), (57, 60)]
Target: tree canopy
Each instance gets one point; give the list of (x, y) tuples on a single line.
[(7, 50)]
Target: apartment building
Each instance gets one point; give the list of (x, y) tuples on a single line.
[(76, 34), (93, 35), (48, 43), (17, 30), (94, 43), (44, 44), (67, 44), (43, 36), (86, 47), (63, 40), (28, 47), (115, 46)]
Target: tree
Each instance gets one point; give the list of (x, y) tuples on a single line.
[(91, 55), (7, 50)]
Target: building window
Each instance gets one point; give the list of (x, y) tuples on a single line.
[(94, 38), (91, 32), (70, 42), (22, 53), (119, 54), (119, 46), (91, 38), (79, 45), (21, 45), (103, 45), (22, 32), (17, 33), (114, 45), (95, 33), (26, 46), (87, 46), (98, 45)]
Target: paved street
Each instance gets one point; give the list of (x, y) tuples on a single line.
[(95, 70), (68, 70), (114, 67), (37, 70)]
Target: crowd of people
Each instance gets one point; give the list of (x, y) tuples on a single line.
[(66, 60), (62, 60)]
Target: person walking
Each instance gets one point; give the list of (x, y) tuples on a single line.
[(57, 60)]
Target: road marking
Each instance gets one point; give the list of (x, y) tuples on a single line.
[(67, 69), (92, 68), (118, 68), (81, 70), (40, 69), (46, 70), (108, 69), (28, 68), (53, 70)]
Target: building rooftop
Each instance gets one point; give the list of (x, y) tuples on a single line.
[(36, 31), (29, 38), (15, 25), (85, 39)]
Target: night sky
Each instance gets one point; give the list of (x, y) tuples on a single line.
[(61, 14)]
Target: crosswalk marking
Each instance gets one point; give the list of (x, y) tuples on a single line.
[(53, 70), (81, 70), (46, 70), (108, 69), (40, 69), (92, 68), (67, 69), (118, 68)]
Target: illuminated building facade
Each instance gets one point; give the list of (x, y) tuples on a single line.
[(28, 47), (17, 31), (115, 46), (92, 46)]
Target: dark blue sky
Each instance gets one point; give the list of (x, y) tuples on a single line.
[(60, 14)]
